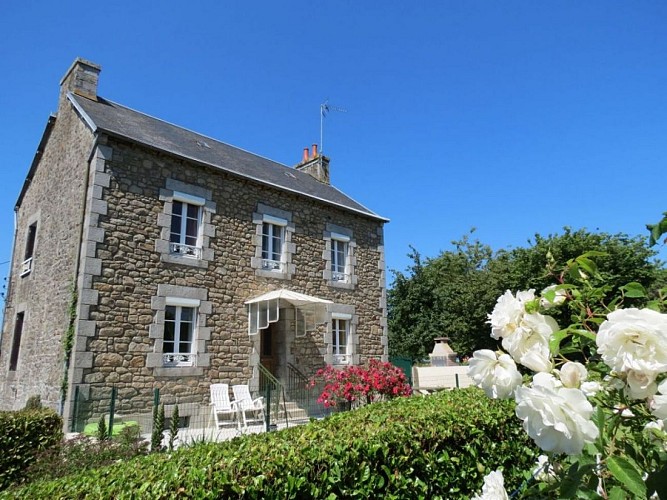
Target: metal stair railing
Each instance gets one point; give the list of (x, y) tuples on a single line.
[(274, 392), (298, 388)]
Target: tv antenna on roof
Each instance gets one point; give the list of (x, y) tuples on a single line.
[(325, 107)]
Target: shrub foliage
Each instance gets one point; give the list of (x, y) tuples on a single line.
[(24, 434), (438, 446)]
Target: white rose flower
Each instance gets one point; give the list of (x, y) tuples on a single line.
[(507, 313), (634, 339), (556, 418), (590, 388), (640, 385), (657, 434), (493, 488), (559, 297), (659, 405), (529, 343), (573, 374), (497, 375)]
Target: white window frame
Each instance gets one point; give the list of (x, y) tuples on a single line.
[(30, 243), (340, 271), (341, 353), (178, 358), (273, 225), (180, 247)]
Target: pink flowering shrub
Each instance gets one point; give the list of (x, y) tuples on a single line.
[(359, 385)]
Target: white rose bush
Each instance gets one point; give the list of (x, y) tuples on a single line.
[(592, 394)]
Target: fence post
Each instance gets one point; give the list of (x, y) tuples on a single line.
[(75, 409), (267, 412), (456, 376), (112, 410)]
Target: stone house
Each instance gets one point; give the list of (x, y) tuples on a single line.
[(149, 256)]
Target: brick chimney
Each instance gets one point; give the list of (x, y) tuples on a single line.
[(316, 165), (81, 79)]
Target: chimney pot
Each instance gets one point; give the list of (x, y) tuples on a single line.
[(306, 154), (314, 150)]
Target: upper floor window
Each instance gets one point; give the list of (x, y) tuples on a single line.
[(339, 251), (340, 261), (273, 236), (274, 246), (179, 334), (340, 337), (184, 238), (185, 224), (26, 267)]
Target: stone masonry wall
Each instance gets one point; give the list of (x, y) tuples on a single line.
[(132, 270), (54, 200)]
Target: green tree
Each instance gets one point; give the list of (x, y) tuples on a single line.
[(451, 295)]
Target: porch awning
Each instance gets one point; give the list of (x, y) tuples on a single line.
[(265, 309)]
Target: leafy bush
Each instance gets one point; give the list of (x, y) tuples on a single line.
[(23, 434), (84, 452), (359, 385), (33, 403), (438, 446)]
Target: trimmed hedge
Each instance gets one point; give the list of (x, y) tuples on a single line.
[(23, 434), (439, 446)]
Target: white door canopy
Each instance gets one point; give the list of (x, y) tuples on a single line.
[(265, 309)]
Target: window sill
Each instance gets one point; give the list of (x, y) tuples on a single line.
[(178, 371), (272, 274), (185, 261), (345, 285)]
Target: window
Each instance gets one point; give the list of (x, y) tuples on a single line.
[(338, 260), (179, 331), (179, 334), (16, 343), (339, 331), (29, 249), (185, 224), (272, 245)]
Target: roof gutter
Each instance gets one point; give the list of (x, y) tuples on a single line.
[(38, 156)]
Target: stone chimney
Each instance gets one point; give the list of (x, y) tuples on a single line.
[(81, 79), (316, 165), (442, 354)]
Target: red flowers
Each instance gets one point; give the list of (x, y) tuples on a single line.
[(360, 385)]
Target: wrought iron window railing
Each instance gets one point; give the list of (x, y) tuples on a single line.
[(179, 359), (185, 250), (271, 265)]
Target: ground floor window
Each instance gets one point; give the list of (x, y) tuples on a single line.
[(339, 331), (179, 334)]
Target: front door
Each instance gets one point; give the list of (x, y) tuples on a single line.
[(267, 348)]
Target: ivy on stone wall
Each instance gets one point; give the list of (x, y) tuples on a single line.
[(68, 340)]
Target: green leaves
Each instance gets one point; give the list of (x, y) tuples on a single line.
[(657, 230), (633, 290), (419, 447), (628, 475)]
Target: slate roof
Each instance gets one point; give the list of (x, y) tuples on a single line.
[(117, 120)]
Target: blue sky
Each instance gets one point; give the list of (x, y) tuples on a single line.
[(512, 117)]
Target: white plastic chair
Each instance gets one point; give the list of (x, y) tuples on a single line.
[(221, 405), (246, 404)]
